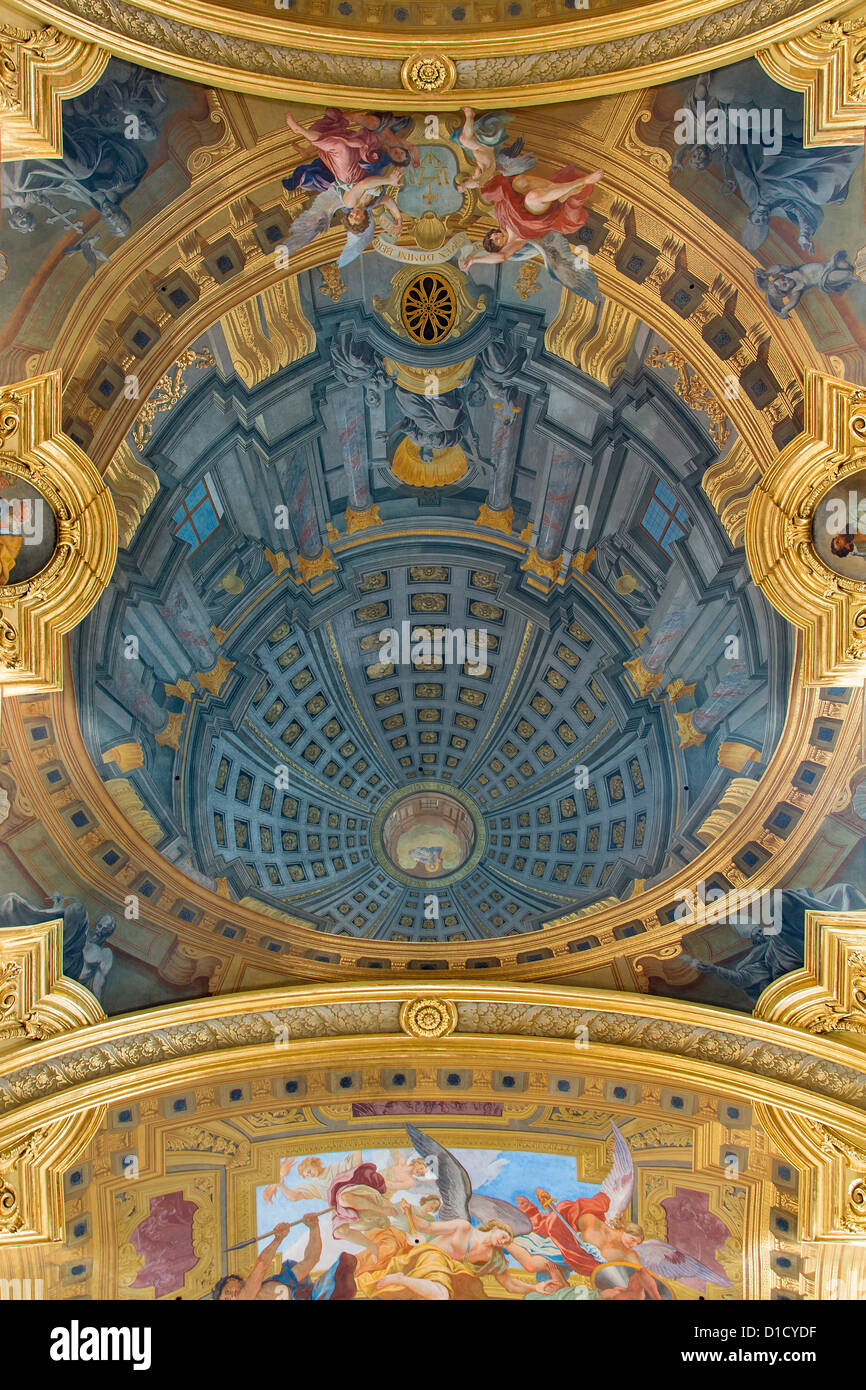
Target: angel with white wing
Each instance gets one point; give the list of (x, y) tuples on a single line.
[(592, 1231), (533, 214), (448, 1255), (355, 205)]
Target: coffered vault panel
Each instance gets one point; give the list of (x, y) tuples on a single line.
[(295, 679), (634, 645)]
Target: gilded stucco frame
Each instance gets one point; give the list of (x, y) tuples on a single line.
[(808, 1088)]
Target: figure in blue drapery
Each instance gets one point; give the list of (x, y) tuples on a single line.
[(778, 179)]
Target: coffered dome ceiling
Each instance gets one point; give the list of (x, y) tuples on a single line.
[(432, 638), (271, 780)]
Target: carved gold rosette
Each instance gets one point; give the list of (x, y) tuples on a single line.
[(428, 73), (428, 1018)]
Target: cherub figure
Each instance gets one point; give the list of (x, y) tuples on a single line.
[(355, 205), (483, 137), (533, 216)]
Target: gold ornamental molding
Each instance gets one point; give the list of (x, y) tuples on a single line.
[(597, 342), (828, 995), (635, 198), (330, 63), (39, 68), (268, 332), (828, 65), (802, 532), (811, 1090), (133, 485), (37, 1003), (58, 535)]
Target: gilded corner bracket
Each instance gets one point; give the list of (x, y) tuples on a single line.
[(59, 542), (38, 1003), (828, 65), (827, 997), (803, 538), (39, 68)]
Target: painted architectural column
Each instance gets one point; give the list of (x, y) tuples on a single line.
[(557, 504), (647, 670), (314, 558), (695, 724), (503, 456), (350, 415), (545, 558)]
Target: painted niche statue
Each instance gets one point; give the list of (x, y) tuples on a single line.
[(774, 954), (355, 363), (86, 957), (495, 371), (774, 175), (103, 159), (435, 422)]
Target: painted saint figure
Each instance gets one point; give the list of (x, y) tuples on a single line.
[(428, 858), (782, 179)]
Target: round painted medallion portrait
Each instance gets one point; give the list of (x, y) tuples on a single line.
[(28, 530), (839, 527)]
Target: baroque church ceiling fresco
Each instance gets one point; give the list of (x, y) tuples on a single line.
[(433, 771)]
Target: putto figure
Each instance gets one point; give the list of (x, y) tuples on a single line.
[(533, 214), (783, 286)]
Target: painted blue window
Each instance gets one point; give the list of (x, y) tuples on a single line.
[(198, 516), (664, 519)]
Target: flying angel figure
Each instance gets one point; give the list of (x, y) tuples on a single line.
[(533, 215), (455, 1188), (591, 1231), (484, 138), (355, 205)]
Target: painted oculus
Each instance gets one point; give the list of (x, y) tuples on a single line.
[(428, 835)]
